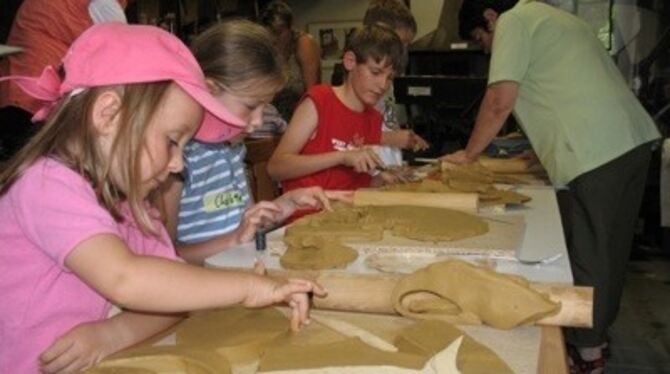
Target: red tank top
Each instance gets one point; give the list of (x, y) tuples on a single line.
[(339, 127)]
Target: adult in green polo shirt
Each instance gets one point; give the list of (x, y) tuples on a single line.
[(587, 128)]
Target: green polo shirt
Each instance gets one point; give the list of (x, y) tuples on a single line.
[(573, 103)]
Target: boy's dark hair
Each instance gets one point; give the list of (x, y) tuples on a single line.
[(393, 13), (277, 14), (471, 15), (376, 42)]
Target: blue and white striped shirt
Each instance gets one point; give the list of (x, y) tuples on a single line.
[(215, 193)]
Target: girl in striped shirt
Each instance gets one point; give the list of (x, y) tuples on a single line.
[(210, 208)]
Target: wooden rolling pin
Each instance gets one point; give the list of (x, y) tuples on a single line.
[(466, 202), (506, 165), (370, 293)]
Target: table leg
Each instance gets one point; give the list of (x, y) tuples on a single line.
[(553, 355)]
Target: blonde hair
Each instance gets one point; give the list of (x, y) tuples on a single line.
[(69, 137), (241, 56)]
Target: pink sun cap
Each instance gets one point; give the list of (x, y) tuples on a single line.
[(115, 53)]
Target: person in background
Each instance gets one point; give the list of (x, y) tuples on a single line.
[(92, 237), (211, 210), (396, 15), (588, 130), (44, 29), (298, 50), (329, 141)]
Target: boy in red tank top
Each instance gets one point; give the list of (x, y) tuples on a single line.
[(329, 141)]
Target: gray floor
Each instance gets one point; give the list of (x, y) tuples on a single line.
[(640, 338)]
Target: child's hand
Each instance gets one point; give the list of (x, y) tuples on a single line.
[(260, 215), (361, 160), (458, 158), (390, 178), (265, 291), (417, 143), (299, 300), (406, 139), (384, 179), (80, 348), (341, 196), (310, 197)]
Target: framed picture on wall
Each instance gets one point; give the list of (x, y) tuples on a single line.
[(331, 37)]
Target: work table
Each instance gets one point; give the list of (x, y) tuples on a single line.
[(538, 347), (525, 349)]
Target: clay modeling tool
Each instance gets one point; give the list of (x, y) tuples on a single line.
[(260, 236), (427, 160), (261, 243)]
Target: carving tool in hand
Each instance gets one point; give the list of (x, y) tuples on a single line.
[(427, 160), (260, 236)]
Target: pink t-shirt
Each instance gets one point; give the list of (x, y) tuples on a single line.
[(45, 214)]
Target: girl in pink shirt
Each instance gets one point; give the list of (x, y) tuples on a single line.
[(79, 232)]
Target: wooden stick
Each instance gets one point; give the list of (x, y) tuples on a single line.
[(506, 165), (371, 293), (553, 355), (467, 202)]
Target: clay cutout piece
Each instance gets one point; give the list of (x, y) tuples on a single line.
[(346, 352), (164, 359), (468, 181), (430, 337), (238, 333), (315, 242), (314, 253), (498, 300)]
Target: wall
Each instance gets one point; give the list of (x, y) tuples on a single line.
[(426, 13)]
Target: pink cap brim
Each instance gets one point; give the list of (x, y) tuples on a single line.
[(213, 130), (218, 123)]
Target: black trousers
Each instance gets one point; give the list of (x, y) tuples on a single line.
[(15, 130), (599, 211)]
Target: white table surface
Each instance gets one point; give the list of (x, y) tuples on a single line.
[(543, 238)]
